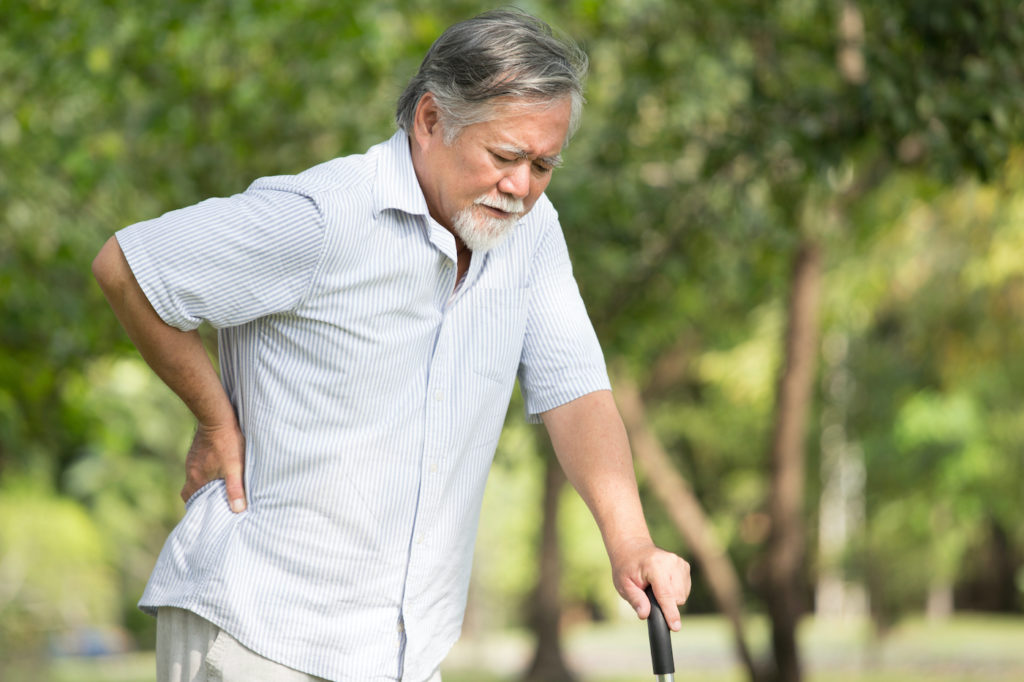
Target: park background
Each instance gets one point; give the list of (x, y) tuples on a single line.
[(798, 227)]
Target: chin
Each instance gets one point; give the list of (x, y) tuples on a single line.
[(482, 234)]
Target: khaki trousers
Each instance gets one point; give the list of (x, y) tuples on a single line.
[(190, 648)]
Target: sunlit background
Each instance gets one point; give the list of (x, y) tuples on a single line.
[(799, 229)]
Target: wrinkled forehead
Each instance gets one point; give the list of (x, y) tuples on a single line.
[(535, 126), (513, 107)]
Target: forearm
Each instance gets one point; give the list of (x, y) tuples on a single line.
[(592, 447), (177, 357)]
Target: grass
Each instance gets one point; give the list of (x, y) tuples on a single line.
[(964, 649)]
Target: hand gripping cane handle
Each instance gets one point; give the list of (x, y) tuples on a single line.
[(661, 642)]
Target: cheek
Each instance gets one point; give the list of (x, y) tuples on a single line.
[(529, 201), (537, 188), (479, 180)]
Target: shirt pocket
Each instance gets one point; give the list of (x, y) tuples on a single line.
[(497, 326)]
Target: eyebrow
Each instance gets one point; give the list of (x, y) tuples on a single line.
[(553, 161)]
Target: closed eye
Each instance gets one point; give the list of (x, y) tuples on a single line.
[(541, 165)]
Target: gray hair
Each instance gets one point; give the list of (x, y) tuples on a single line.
[(501, 53)]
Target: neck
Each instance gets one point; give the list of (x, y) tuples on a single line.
[(419, 167)]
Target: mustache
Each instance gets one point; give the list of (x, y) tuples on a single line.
[(502, 203)]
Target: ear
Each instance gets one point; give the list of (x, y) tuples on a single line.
[(426, 123)]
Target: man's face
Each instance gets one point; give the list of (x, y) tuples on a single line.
[(493, 172)]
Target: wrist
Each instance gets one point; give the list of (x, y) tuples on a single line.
[(215, 412), (624, 547)]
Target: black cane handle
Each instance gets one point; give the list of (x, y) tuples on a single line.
[(661, 642)]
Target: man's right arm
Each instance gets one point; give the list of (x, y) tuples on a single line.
[(180, 360)]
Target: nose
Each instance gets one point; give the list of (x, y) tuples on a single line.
[(516, 182)]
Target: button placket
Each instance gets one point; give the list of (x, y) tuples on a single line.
[(437, 395)]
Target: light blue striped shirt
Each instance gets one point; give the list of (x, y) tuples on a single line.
[(371, 397)]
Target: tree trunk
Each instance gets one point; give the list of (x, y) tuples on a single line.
[(841, 505), (992, 569), (786, 544), (545, 608), (686, 513)]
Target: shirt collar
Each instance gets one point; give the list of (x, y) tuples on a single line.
[(396, 186)]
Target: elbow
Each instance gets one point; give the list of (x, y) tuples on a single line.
[(107, 266)]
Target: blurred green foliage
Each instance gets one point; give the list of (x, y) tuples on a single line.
[(718, 135), (57, 568)]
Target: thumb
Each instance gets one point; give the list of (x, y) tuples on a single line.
[(235, 491), (635, 597)]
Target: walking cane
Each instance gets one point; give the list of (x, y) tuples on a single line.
[(661, 642)]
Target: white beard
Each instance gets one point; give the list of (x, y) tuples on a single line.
[(481, 231)]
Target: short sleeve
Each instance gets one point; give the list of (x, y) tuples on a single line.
[(227, 261), (561, 358)]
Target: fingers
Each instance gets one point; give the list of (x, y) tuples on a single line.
[(236, 494), (195, 476), (635, 597), (233, 469), (667, 602), (217, 454), (232, 483), (672, 588), (188, 490), (668, 576)]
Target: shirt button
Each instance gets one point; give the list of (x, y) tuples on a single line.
[(401, 626), (439, 396), (433, 468)]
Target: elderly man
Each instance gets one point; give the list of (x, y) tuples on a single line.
[(373, 315)]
